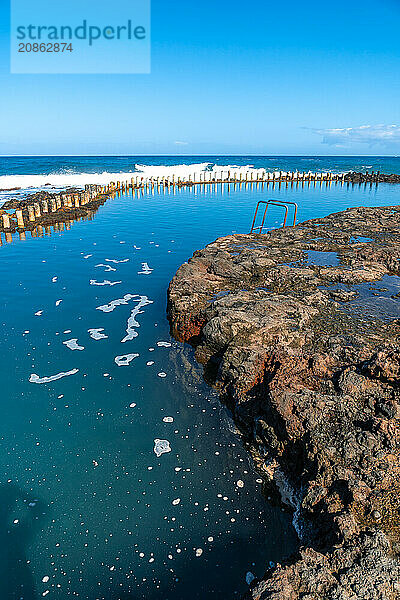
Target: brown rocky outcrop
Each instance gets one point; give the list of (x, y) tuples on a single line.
[(299, 329)]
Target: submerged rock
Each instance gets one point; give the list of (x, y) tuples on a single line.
[(311, 373)]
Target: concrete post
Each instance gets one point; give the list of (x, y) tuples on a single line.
[(20, 219), (31, 213), (6, 221)]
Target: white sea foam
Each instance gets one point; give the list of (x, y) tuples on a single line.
[(107, 268), (73, 344), (132, 323), (161, 447), (125, 360), (105, 282), (146, 270), (117, 262), (114, 303), (164, 344), (36, 379), (97, 334)]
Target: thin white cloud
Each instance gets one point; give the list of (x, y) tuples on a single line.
[(181, 143), (386, 135)]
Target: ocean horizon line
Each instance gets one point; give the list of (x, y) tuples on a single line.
[(200, 155)]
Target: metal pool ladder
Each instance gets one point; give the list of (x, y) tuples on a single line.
[(285, 205)]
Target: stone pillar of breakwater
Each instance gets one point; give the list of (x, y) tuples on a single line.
[(6, 221), (20, 219), (31, 213)]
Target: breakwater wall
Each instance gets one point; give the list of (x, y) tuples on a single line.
[(45, 209)]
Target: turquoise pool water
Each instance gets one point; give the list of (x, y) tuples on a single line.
[(87, 508)]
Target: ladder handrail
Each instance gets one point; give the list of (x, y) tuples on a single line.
[(284, 205)]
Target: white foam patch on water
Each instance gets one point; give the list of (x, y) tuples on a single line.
[(36, 379), (87, 256), (107, 268), (199, 552), (176, 501), (58, 302), (97, 334), (161, 447), (146, 270), (54, 279), (105, 282), (117, 262), (164, 344), (132, 324), (168, 419), (125, 360), (115, 303), (162, 375), (38, 313), (73, 344)]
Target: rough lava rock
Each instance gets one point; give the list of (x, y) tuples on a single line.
[(299, 329)]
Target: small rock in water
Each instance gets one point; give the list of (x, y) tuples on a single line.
[(162, 375), (199, 552), (176, 502), (161, 447), (240, 483)]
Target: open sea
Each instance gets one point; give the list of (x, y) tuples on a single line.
[(121, 474)]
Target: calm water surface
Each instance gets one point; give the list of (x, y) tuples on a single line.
[(87, 508)]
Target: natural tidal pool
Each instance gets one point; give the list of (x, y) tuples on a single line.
[(122, 476)]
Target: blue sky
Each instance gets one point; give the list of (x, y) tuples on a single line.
[(227, 78)]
